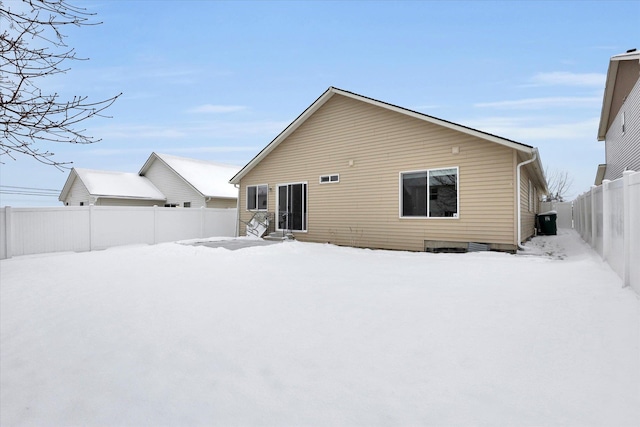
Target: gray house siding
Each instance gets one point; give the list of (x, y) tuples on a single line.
[(623, 149), (177, 190), (78, 194)]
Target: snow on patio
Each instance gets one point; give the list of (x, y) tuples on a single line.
[(311, 334)]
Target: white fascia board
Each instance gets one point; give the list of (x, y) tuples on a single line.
[(111, 196), (67, 185), (147, 164), (612, 72)]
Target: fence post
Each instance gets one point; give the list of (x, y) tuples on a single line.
[(8, 235), (91, 227), (594, 219), (155, 224), (626, 185), (606, 219), (202, 221)]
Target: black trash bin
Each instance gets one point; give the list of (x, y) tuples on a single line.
[(546, 223)]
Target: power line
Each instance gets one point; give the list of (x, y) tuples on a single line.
[(27, 193), (28, 188)]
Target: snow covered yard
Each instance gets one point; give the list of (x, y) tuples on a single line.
[(310, 334)]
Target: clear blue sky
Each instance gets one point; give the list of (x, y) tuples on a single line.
[(219, 80)]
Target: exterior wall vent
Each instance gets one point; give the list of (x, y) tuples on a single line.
[(478, 247)]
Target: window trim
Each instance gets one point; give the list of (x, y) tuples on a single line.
[(329, 177), (400, 193), (306, 198), (246, 204)]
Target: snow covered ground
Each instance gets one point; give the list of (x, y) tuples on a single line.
[(311, 334)]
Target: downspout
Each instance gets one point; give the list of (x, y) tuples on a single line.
[(518, 201), (237, 211)]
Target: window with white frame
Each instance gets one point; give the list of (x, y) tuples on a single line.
[(257, 197), (431, 193), (329, 179)]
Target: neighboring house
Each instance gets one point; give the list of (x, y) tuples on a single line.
[(164, 180), (354, 171), (190, 182), (620, 117), (86, 187)]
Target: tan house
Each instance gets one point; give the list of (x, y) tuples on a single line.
[(351, 170)]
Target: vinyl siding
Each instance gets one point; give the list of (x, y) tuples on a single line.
[(222, 203), (78, 193), (623, 150), (176, 189), (363, 208)]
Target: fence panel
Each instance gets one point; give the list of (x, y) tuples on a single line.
[(46, 230), (597, 217), (25, 231), (178, 224), (4, 238), (587, 223), (220, 222), (614, 224), (608, 218), (564, 212), (633, 254), (115, 226)]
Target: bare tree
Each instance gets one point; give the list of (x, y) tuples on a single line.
[(32, 47), (559, 184)]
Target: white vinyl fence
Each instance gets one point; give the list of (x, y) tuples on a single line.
[(564, 211), (608, 218), (25, 231)]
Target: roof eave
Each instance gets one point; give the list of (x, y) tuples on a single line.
[(607, 98), (612, 74), (332, 91), (322, 99), (113, 196), (67, 185)]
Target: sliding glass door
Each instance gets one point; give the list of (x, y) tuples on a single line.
[(292, 207)]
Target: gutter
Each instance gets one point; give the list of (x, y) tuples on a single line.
[(237, 211), (518, 201)]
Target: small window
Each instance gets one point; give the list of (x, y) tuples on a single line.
[(329, 179), (170, 205), (81, 203), (187, 204), (257, 197)]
